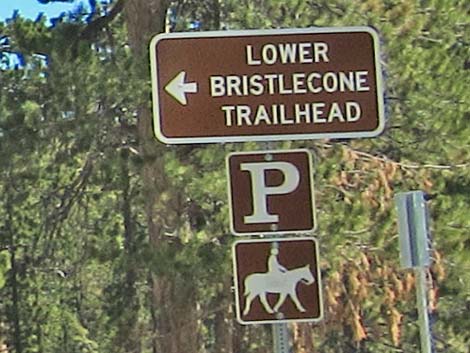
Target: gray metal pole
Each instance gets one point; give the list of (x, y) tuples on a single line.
[(423, 310), (280, 338), (415, 245), (280, 331)]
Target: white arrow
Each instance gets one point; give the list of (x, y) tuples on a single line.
[(177, 88)]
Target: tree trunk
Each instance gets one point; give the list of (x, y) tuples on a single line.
[(173, 296), (223, 318), (303, 338), (128, 337), (14, 312)]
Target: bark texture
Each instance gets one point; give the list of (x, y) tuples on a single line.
[(173, 294)]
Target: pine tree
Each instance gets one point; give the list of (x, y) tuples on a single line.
[(113, 242)]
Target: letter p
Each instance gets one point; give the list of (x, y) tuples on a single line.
[(261, 191)]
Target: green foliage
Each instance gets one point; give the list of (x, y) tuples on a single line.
[(424, 147), (78, 272), (62, 183), (4, 267)]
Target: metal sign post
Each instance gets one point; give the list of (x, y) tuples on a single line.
[(413, 229), (261, 184), (280, 338), (423, 311)]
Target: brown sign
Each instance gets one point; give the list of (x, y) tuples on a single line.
[(271, 192), (277, 280), (234, 86)]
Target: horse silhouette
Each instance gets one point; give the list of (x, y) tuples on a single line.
[(282, 283)]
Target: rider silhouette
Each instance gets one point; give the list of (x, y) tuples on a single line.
[(276, 280), (274, 267)]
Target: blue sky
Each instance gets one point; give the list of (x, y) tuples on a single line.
[(31, 8)]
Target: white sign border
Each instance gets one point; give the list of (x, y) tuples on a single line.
[(274, 152), (277, 321), (279, 137)]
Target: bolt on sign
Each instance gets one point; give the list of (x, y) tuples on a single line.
[(271, 192), (266, 85), (277, 280)]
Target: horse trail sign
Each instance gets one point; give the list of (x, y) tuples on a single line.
[(277, 280)]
